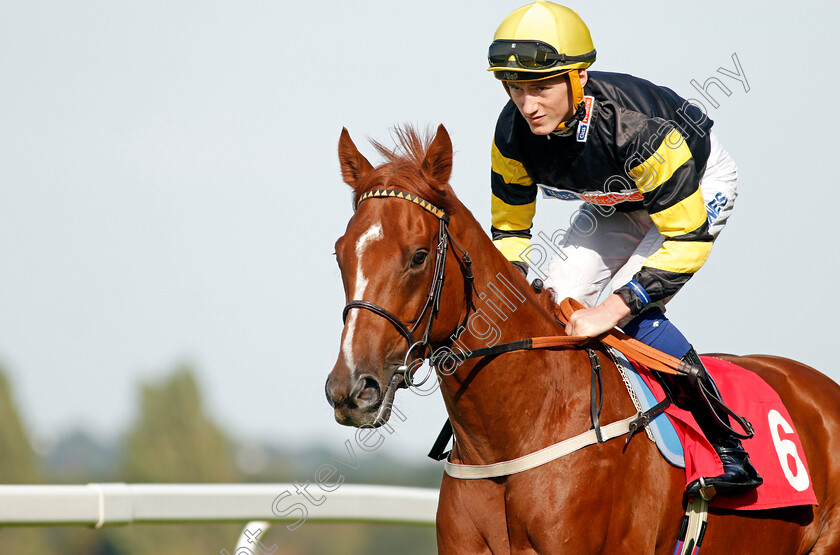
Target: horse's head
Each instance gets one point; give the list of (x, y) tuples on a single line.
[(389, 259)]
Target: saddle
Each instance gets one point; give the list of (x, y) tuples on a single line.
[(774, 449)]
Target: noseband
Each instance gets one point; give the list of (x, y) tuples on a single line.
[(432, 305)]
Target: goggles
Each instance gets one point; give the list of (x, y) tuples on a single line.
[(531, 54)]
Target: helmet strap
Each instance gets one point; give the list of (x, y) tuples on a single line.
[(565, 127)]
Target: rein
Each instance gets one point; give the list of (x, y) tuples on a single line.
[(644, 354)]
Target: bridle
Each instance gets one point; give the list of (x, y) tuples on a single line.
[(432, 304)]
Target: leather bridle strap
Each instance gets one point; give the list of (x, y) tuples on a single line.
[(432, 304), (527, 344), (376, 309), (644, 354)]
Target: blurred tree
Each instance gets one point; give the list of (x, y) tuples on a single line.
[(175, 441), (18, 465), (18, 461)]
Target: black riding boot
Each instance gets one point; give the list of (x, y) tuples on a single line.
[(738, 475)]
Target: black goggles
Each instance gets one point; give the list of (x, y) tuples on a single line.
[(532, 54)]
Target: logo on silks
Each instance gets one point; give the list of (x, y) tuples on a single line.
[(592, 197), (715, 205), (583, 124)]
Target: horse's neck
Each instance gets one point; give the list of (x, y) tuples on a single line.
[(503, 296), (506, 403)]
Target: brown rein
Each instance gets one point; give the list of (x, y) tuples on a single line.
[(632, 348)]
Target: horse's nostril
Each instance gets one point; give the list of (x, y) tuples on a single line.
[(367, 392)]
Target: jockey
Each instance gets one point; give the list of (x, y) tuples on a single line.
[(658, 187)]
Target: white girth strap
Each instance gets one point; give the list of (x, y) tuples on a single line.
[(533, 460)]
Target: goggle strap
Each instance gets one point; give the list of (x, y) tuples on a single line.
[(582, 58)]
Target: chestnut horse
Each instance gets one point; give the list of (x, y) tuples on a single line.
[(403, 295)]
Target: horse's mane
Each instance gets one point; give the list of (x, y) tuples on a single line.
[(403, 168)]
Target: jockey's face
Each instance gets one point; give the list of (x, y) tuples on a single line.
[(544, 104)]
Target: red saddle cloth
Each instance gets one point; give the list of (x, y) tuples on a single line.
[(775, 449)]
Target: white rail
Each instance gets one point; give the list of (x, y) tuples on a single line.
[(104, 504)]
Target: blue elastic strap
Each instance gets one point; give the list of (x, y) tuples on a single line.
[(651, 327), (639, 291)]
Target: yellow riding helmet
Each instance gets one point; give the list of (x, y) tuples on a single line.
[(539, 41)]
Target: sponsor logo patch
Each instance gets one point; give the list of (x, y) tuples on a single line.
[(583, 124), (593, 197)]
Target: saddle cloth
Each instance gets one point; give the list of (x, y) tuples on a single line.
[(775, 449)]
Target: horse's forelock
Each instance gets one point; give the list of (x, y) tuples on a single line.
[(410, 144), (402, 167)]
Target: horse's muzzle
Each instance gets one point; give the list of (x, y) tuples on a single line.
[(356, 403)]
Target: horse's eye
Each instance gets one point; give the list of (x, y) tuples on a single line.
[(419, 257)]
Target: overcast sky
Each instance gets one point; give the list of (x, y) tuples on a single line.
[(170, 190)]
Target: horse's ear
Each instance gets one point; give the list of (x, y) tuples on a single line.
[(354, 166), (437, 166)]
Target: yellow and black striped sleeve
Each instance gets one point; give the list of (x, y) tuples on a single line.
[(665, 172), (512, 205)]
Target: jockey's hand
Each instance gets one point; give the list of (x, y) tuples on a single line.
[(591, 322)]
